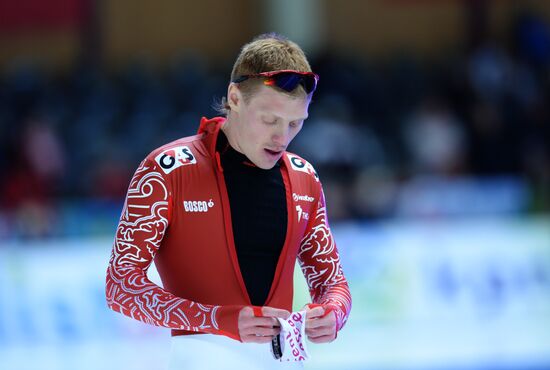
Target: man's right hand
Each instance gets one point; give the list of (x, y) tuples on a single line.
[(253, 329)]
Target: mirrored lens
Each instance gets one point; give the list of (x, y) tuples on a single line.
[(309, 84), (289, 81)]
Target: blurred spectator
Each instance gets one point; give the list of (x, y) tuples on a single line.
[(435, 139), (42, 150), (36, 167), (489, 71)]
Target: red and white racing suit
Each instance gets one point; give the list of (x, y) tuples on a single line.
[(177, 214)]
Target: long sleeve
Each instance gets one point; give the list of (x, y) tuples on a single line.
[(320, 263), (143, 223)]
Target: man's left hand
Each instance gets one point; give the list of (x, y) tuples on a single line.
[(320, 328)]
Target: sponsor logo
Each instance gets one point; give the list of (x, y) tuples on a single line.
[(176, 157), (301, 214), (197, 205), (299, 164), (305, 198)]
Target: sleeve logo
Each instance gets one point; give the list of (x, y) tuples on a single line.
[(301, 165), (176, 157)]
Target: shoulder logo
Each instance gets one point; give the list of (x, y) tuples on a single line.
[(298, 164), (173, 158)]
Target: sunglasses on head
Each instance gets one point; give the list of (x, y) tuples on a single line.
[(285, 79)]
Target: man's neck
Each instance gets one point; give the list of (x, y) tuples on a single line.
[(228, 129)]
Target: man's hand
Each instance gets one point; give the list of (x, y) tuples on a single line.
[(320, 328), (254, 329)]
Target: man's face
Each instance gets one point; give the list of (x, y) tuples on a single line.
[(266, 125)]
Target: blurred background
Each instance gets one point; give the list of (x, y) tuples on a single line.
[(429, 129)]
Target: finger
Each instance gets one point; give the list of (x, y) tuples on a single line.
[(275, 312), (256, 339), (246, 312), (267, 331), (315, 312), (326, 320), (322, 339), (259, 321), (260, 330), (319, 332), (268, 322), (315, 323), (321, 322)]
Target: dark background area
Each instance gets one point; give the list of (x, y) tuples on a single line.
[(424, 108)]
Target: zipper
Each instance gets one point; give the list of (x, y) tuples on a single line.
[(226, 213), (289, 233)]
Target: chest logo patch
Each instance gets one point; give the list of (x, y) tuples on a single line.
[(197, 205), (298, 164), (301, 214), (176, 157), (305, 198)]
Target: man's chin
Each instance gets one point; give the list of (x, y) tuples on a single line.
[(265, 166), (266, 163)]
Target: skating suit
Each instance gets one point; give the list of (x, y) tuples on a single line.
[(177, 214)]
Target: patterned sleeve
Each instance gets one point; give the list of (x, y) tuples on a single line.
[(143, 222), (319, 260)]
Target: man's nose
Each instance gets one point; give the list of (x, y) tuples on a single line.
[(280, 136)]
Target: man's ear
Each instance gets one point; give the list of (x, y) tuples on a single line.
[(234, 97)]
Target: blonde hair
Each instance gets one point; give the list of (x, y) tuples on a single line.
[(265, 53)]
